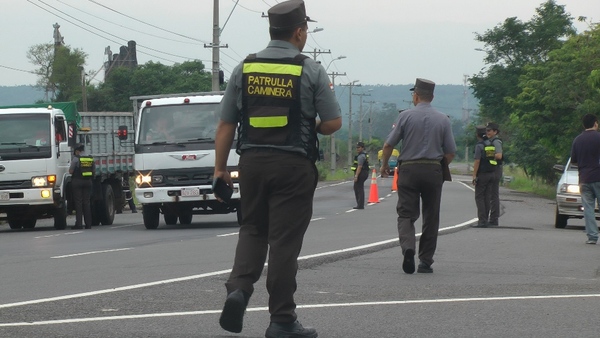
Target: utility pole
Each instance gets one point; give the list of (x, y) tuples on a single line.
[(350, 86), (361, 115), (215, 47), (83, 90), (370, 120), (317, 52), (466, 117), (333, 154)]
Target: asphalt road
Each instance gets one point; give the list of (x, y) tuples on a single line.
[(522, 279)]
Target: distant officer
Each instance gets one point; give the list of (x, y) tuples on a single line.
[(275, 96), (484, 174), (360, 166), (83, 170), (493, 151), (427, 139)]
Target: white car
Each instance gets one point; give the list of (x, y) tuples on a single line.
[(568, 198)]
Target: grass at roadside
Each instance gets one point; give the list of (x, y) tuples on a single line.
[(523, 183)]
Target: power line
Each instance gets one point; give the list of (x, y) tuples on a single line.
[(145, 23), (141, 46), (132, 29), (18, 70)]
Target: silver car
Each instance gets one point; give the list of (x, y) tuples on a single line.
[(568, 198)]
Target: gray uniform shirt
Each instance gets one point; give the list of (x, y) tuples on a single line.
[(425, 133), (316, 97), (361, 159)]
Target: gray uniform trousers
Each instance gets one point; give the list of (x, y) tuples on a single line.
[(416, 183), (277, 190), (483, 195), (82, 191), (495, 199)]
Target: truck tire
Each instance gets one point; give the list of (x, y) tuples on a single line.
[(107, 206), (560, 221), (186, 217), (170, 218), (60, 216), (239, 215), (20, 221), (151, 215)]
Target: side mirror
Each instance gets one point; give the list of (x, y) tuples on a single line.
[(122, 133)]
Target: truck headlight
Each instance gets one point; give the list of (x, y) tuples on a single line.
[(149, 179), (234, 174), (43, 181), (569, 188)]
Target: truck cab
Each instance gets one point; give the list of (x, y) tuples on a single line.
[(34, 163), (175, 156)]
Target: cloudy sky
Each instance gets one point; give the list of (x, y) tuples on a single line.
[(383, 41)]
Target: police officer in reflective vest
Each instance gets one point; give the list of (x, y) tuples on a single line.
[(483, 177), (494, 154), (281, 100), (360, 166), (83, 169)]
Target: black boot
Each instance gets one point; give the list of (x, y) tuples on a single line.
[(232, 316)]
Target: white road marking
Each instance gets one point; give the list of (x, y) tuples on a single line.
[(229, 234), (125, 226), (305, 306), (317, 219), (90, 253)]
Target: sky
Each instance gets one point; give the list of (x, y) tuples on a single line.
[(376, 42)]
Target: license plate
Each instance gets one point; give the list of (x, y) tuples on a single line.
[(187, 192), (4, 196)]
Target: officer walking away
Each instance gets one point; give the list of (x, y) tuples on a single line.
[(493, 153), (360, 166), (585, 154), (82, 170), (276, 96), (483, 179), (427, 139)]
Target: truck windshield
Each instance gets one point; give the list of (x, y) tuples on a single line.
[(178, 123), (18, 131)]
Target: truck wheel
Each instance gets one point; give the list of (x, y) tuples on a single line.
[(151, 215), (14, 224), (560, 221), (239, 215), (60, 216), (170, 218), (28, 223), (107, 211), (186, 217)]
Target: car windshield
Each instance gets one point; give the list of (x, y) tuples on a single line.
[(178, 123), (24, 131)]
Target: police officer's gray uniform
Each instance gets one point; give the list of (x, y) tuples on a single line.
[(426, 135), (277, 182)]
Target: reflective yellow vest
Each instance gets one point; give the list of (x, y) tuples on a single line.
[(271, 106)]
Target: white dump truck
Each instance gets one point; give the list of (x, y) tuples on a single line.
[(36, 148), (175, 157)]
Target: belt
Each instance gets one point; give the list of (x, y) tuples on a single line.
[(271, 150), (421, 161)]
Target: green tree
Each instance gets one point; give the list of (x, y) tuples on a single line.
[(66, 73), (553, 97), (148, 79), (42, 57), (510, 48)]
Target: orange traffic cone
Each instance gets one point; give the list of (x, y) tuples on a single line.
[(395, 182), (373, 194)]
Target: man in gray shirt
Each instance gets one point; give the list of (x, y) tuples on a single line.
[(275, 96), (426, 136)]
